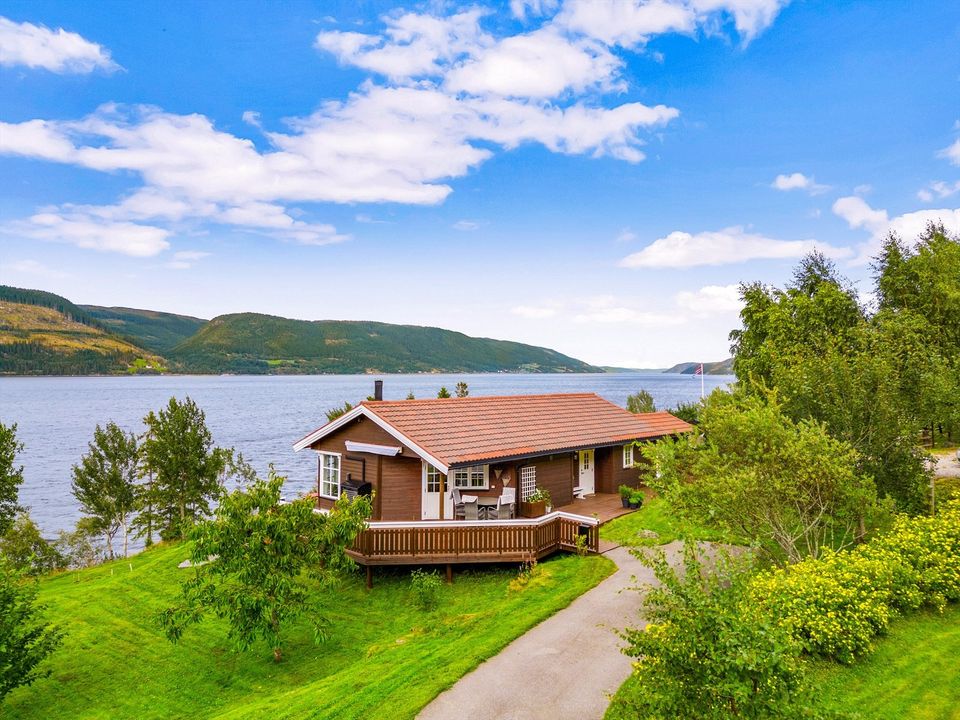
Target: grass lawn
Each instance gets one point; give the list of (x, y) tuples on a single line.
[(383, 658), (913, 674), (655, 515)]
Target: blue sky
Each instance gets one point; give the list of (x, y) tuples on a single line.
[(594, 177)]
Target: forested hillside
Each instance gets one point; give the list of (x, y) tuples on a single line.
[(253, 343)]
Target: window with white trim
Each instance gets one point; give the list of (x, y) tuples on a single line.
[(528, 481), (432, 479), (628, 456), (330, 475), (470, 478)]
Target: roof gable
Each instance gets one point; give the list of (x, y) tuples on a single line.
[(452, 431)]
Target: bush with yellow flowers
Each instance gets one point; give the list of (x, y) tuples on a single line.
[(836, 605)]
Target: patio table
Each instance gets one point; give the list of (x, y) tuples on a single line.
[(484, 505)]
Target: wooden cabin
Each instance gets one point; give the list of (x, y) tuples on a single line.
[(424, 460)]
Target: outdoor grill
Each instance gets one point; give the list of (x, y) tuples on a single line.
[(352, 487)]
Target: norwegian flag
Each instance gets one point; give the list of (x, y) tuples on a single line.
[(699, 370)]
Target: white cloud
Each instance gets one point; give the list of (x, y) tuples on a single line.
[(535, 8), (540, 64), (59, 51), (412, 44), (184, 259), (466, 225), (878, 223), (626, 235), (533, 312), (32, 267), (951, 152), (633, 22), (859, 214), (86, 231), (732, 245), (937, 190), (798, 181), (711, 300)]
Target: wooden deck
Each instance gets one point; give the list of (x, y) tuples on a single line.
[(444, 542), (603, 506)]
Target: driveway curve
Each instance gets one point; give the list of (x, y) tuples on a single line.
[(565, 667)]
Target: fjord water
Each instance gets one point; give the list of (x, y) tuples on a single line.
[(261, 416)]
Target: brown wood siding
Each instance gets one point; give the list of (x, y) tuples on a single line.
[(555, 475), (611, 473), (400, 490)]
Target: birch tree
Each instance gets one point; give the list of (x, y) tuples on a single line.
[(104, 483)]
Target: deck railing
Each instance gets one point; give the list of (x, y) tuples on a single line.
[(457, 541)]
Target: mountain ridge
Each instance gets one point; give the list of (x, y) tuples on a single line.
[(42, 333)]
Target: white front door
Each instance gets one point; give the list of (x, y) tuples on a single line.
[(430, 495), (587, 486)]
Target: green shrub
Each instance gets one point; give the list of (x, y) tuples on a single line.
[(426, 587), (836, 605)]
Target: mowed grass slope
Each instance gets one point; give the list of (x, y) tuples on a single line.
[(383, 658), (913, 674)]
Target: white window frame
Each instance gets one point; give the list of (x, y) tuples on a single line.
[(431, 474), (462, 477), (527, 481), (323, 470), (628, 455)]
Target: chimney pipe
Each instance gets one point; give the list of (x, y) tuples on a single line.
[(378, 389)]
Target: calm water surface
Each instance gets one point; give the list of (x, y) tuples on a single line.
[(261, 416)]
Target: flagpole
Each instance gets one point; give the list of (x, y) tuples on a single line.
[(701, 381)]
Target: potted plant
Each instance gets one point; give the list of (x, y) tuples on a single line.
[(625, 492), (537, 503), (636, 499)]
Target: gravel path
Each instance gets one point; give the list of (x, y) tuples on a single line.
[(565, 667), (948, 465)]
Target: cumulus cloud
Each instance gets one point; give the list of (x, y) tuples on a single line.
[(711, 300), (732, 245), (632, 22), (859, 215), (59, 51), (938, 190), (798, 181), (540, 64), (412, 43), (87, 231), (609, 310)]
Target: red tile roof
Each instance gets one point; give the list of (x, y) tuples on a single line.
[(483, 428)]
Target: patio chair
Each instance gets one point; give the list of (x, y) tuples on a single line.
[(507, 506), (458, 504), (471, 510)]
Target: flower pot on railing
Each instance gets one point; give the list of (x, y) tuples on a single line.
[(533, 509)]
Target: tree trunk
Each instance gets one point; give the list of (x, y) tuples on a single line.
[(126, 534), (275, 624), (109, 538)]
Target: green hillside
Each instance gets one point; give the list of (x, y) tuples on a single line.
[(722, 367), (157, 331), (253, 343), (46, 334)]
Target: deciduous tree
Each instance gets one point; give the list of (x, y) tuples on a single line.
[(251, 559), (105, 482), (641, 402), (461, 390), (25, 639), (186, 469), (11, 476), (782, 484)]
